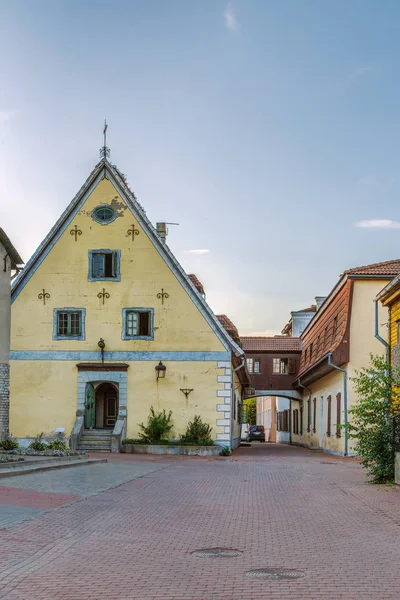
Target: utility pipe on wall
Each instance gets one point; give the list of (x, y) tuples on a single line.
[(346, 432), (378, 337), (233, 399)]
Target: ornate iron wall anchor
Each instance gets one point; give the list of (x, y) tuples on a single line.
[(186, 391), (133, 232), (76, 232), (103, 295), (162, 295), (43, 296)]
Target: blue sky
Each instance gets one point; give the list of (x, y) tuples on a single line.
[(269, 129)]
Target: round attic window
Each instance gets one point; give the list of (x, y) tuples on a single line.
[(104, 214)]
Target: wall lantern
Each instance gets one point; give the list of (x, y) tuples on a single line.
[(101, 344), (160, 370)]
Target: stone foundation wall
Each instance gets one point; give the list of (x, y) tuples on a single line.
[(4, 397)]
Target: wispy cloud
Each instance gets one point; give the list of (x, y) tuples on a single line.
[(231, 21), (378, 224), (359, 72), (6, 115), (199, 251)]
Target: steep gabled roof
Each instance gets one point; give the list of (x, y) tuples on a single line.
[(230, 328), (389, 267), (11, 251), (196, 282), (278, 343), (105, 169)]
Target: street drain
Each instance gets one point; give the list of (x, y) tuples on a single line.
[(275, 574), (216, 553)]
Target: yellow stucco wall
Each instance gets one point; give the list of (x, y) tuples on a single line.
[(44, 392), (362, 325), (331, 384), (64, 275), (50, 399)]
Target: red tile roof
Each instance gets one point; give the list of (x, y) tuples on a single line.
[(197, 283), (278, 343), (389, 267), (229, 327)]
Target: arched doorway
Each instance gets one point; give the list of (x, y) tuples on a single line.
[(106, 405)]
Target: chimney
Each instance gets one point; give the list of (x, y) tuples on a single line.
[(162, 231), (319, 300)]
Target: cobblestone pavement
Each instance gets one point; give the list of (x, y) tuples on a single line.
[(281, 506), (22, 496)]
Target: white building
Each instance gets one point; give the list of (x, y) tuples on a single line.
[(9, 261)]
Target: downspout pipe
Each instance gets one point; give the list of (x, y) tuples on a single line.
[(346, 432), (233, 395), (378, 337)]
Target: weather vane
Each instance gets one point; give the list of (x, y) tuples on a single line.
[(104, 151)]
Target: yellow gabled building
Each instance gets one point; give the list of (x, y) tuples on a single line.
[(390, 298), (106, 324)]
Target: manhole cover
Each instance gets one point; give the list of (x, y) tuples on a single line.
[(217, 552), (328, 462), (275, 574)]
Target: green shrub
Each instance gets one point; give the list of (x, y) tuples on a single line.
[(60, 444), (197, 433), (225, 451), (38, 445), (159, 425), (371, 418), (131, 441), (8, 442)]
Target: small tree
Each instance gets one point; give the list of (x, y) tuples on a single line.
[(250, 411), (371, 419), (197, 433), (159, 425)]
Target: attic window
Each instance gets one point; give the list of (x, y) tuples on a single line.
[(103, 214), (104, 265)]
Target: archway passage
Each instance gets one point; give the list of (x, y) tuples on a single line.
[(106, 405)]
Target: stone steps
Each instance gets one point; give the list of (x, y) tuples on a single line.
[(95, 440)]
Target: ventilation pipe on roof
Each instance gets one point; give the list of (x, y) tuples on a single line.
[(378, 337), (163, 231), (319, 300), (346, 426)]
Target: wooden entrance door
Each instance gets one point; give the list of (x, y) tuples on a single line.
[(90, 404), (110, 409)]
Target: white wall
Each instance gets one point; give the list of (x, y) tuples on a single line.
[(282, 437), (5, 306)]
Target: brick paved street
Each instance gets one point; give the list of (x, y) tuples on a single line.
[(281, 506)]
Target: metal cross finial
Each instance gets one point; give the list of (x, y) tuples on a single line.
[(76, 232), (103, 295), (162, 295), (43, 296), (133, 232), (104, 151)]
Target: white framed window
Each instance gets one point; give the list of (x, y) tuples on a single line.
[(137, 323)]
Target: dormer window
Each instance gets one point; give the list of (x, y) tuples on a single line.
[(104, 265)]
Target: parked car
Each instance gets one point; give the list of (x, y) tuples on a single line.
[(256, 432)]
